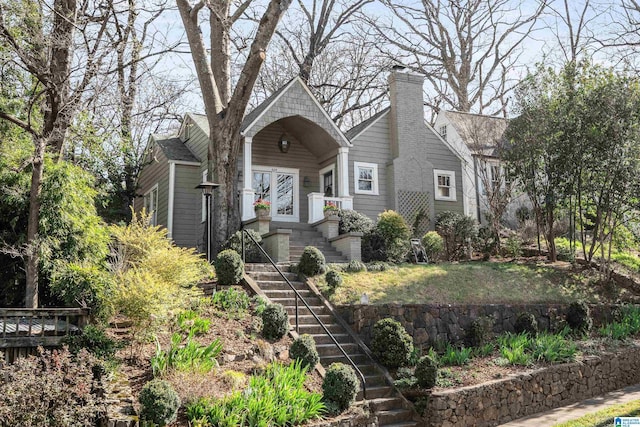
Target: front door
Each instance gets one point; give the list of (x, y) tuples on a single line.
[(279, 186)]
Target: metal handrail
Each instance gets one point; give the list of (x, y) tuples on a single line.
[(298, 296)]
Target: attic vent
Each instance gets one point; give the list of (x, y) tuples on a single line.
[(443, 132), (414, 208)]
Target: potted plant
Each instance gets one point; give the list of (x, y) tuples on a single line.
[(262, 208), (329, 209)]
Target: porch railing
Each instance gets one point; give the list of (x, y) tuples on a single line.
[(298, 298), (317, 201)]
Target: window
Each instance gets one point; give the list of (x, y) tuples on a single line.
[(445, 185), (204, 199), (443, 132), (151, 204), (327, 181), (365, 178)]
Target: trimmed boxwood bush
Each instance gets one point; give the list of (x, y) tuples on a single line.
[(479, 331), (333, 279), (275, 321), (251, 251), (391, 344), (395, 232), (159, 402), (304, 350), (426, 372), (579, 317), (311, 262), (340, 386), (356, 266), (229, 267), (526, 322), (433, 245)]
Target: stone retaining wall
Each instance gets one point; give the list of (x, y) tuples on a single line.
[(500, 401), (428, 324)]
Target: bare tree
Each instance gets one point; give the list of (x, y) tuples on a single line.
[(225, 106), (321, 43), (466, 49), (61, 46)]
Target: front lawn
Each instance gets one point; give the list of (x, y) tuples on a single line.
[(604, 417), (468, 282)]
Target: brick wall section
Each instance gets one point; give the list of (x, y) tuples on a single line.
[(431, 323), (498, 402)]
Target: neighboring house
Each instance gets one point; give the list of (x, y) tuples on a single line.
[(477, 138), (295, 156)]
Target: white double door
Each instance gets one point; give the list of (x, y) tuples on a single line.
[(279, 186)]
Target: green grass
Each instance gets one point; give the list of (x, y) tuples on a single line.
[(605, 417), (470, 282)]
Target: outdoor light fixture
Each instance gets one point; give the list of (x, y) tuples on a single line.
[(284, 144), (207, 190)]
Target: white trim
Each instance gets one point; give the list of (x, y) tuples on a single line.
[(152, 208), (247, 153), (452, 185), (183, 163), (172, 189), (446, 142), (306, 89), (366, 128), (356, 177), (330, 168), (343, 171), (274, 171)]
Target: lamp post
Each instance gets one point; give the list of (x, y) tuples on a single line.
[(207, 190)]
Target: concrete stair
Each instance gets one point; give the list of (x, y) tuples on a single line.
[(383, 400), (305, 235)]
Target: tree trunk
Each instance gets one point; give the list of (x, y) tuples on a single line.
[(33, 246)]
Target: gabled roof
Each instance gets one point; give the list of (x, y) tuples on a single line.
[(264, 105), (174, 149), (361, 127), (481, 134)]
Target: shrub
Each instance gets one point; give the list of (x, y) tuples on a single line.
[(94, 340), (84, 285), (390, 343), (275, 321), (486, 242), (553, 348), (456, 230), (159, 402), (311, 261), (564, 250), (433, 245), (395, 233), (276, 397), (479, 331), (513, 246), (579, 317), (626, 323), (333, 279), (52, 389), (377, 266), (251, 251), (373, 247), (340, 386), (304, 350), (526, 322), (355, 266), (427, 372), (352, 221), (229, 267), (234, 302), (514, 348)]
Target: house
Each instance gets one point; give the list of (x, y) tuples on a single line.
[(295, 156), (478, 138)]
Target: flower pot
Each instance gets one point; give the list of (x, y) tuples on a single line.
[(262, 213)]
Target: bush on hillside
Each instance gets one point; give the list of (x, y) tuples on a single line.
[(275, 321), (355, 266), (229, 267), (340, 386), (391, 344), (579, 317), (433, 245), (159, 402), (526, 322), (395, 233), (352, 221), (457, 230), (426, 372), (333, 279), (303, 349), (312, 261)]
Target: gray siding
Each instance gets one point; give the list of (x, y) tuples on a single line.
[(443, 158), (187, 206), (156, 172), (198, 139), (266, 153), (372, 146)]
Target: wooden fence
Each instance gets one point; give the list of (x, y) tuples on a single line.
[(22, 330)]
